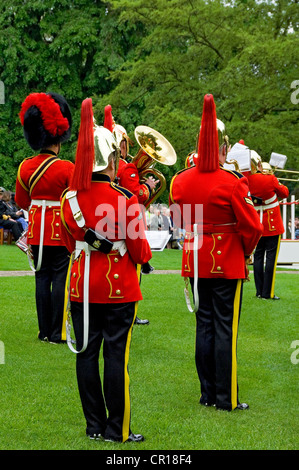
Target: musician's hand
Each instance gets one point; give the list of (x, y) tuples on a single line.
[(151, 182)]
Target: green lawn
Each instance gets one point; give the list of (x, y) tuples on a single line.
[(40, 407)]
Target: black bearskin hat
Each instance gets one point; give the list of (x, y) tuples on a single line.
[(46, 119)]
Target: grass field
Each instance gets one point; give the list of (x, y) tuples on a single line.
[(39, 402)]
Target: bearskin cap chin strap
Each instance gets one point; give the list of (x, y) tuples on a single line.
[(208, 146), (85, 152)]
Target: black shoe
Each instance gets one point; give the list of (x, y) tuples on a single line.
[(138, 321), (60, 341), (242, 406), (147, 268), (258, 296), (135, 438), (44, 340), (132, 438), (95, 437), (271, 298), (207, 403)]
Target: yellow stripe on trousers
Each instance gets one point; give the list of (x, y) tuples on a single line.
[(127, 410), (274, 269), (234, 384), (66, 300)]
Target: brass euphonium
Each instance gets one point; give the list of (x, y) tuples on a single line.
[(153, 148)]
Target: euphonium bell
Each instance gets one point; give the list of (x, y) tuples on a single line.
[(154, 147)]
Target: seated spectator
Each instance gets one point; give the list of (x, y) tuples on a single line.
[(7, 221), (13, 210)]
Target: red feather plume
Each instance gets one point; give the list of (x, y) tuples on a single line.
[(208, 146), (54, 122), (81, 178), (108, 118)]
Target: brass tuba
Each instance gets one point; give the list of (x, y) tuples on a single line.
[(153, 148)]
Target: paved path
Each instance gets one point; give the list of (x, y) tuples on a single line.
[(157, 271)]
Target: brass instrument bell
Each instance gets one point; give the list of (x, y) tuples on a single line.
[(154, 147)]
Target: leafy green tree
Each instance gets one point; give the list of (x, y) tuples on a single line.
[(66, 46), (153, 61), (243, 52)]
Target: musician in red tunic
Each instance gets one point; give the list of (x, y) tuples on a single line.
[(104, 284), (217, 202), (265, 190), (128, 177), (41, 179)]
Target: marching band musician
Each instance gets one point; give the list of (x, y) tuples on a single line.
[(230, 230), (41, 179), (128, 177), (265, 190), (106, 269)]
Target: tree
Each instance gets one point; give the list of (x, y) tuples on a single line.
[(153, 61), (66, 46), (243, 52)]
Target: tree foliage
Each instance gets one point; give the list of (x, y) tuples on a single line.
[(153, 61), (67, 46)]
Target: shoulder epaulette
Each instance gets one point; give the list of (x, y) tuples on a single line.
[(182, 170), (125, 192), (237, 174), (173, 178)]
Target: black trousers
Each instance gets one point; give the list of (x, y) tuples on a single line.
[(110, 324), (15, 227), (265, 269), (50, 291), (217, 321)]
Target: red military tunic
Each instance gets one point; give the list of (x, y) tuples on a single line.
[(229, 222), (113, 278), (49, 187), (129, 178), (269, 189)]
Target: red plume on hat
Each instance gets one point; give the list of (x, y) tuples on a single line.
[(241, 142), (54, 122), (208, 146), (46, 119), (85, 149), (108, 118)]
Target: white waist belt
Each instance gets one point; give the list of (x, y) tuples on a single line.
[(267, 206), (272, 199), (46, 203), (43, 203), (121, 247)]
